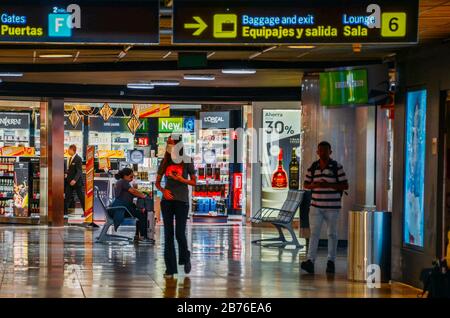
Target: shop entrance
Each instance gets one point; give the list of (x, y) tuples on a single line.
[(131, 135)]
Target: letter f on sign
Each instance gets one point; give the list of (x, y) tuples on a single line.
[(58, 24)]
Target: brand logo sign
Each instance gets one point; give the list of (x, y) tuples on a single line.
[(114, 124), (189, 124), (136, 156), (168, 125), (14, 121), (215, 120)]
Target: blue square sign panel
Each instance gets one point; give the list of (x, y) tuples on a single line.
[(58, 25)]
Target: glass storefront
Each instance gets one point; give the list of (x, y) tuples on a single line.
[(19, 163), (207, 138)]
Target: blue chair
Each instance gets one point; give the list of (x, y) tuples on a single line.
[(104, 237)]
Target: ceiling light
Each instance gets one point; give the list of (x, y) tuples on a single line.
[(301, 46), (7, 74), (167, 55), (238, 71), (199, 77), (55, 56), (165, 83), (140, 86)]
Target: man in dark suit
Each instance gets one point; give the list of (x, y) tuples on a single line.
[(73, 178)]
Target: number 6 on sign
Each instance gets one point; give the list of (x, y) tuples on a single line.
[(393, 24)]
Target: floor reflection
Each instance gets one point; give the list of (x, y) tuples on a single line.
[(47, 262)]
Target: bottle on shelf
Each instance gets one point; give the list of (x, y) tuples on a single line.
[(217, 173), (294, 169), (279, 176), (201, 172), (209, 171)]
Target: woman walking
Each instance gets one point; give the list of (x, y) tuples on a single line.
[(179, 173)]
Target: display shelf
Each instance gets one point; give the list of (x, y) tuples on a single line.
[(6, 175), (6, 198)]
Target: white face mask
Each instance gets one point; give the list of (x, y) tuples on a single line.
[(174, 151)]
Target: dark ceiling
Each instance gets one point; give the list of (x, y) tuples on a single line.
[(280, 66)]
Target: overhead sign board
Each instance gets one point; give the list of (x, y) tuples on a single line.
[(80, 21), (295, 21)]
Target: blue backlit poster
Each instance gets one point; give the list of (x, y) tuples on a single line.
[(416, 108)]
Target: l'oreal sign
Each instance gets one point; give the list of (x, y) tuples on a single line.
[(215, 120)]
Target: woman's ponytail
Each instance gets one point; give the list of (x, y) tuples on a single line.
[(122, 173)]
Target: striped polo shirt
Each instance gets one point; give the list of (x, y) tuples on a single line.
[(326, 198)]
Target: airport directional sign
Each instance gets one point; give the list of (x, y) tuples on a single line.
[(295, 21)]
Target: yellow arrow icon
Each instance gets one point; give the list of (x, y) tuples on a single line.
[(200, 26)]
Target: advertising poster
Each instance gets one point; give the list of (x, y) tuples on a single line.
[(281, 134), (104, 164), (117, 154), (103, 186), (21, 190), (89, 201), (154, 110), (416, 108), (12, 151)]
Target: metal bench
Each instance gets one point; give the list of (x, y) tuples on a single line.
[(281, 219), (104, 237)]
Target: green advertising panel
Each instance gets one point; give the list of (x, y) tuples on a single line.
[(343, 88), (168, 125), (144, 127)]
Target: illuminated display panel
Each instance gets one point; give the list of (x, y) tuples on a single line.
[(413, 225), (80, 21), (295, 21)]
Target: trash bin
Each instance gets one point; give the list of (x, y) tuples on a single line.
[(369, 243)]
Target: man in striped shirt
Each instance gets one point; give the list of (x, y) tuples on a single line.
[(327, 181)]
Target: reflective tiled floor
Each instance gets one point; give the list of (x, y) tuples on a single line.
[(46, 262)]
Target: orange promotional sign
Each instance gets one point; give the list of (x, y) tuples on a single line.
[(89, 193), (111, 154), (104, 164), (154, 110), (12, 151)]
